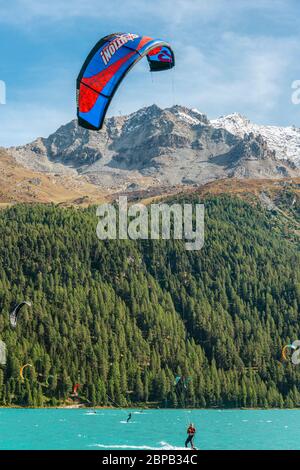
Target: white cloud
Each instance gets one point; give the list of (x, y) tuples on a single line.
[(22, 124), (173, 12), (223, 63), (241, 73)]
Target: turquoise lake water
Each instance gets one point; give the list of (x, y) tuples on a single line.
[(149, 429)]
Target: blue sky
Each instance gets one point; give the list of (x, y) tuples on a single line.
[(231, 56)]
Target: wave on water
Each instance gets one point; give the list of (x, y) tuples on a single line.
[(124, 446), (163, 445), (167, 446)]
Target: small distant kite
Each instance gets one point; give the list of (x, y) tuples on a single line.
[(22, 369), (181, 381), (106, 66), (285, 349), (13, 317), (75, 390)]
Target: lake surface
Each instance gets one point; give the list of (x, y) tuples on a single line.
[(148, 429)]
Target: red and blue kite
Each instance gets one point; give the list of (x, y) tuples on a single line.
[(106, 66)]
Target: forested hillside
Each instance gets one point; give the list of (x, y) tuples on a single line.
[(123, 318)]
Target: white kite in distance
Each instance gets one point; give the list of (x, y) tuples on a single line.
[(13, 317), (2, 353)]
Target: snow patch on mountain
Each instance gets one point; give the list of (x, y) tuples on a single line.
[(285, 141)]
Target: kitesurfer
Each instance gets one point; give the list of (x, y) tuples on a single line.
[(129, 417), (191, 431)]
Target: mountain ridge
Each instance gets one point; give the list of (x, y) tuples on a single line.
[(156, 147)]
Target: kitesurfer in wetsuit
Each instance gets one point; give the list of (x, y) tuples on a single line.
[(129, 417), (191, 431)]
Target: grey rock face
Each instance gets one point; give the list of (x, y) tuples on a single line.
[(155, 147)]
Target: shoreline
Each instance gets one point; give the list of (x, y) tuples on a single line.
[(141, 408)]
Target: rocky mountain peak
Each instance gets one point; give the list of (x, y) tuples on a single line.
[(171, 146), (284, 141)]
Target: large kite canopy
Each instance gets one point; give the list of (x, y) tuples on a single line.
[(106, 66)]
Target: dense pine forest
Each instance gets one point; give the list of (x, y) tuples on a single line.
[(124, 318)]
